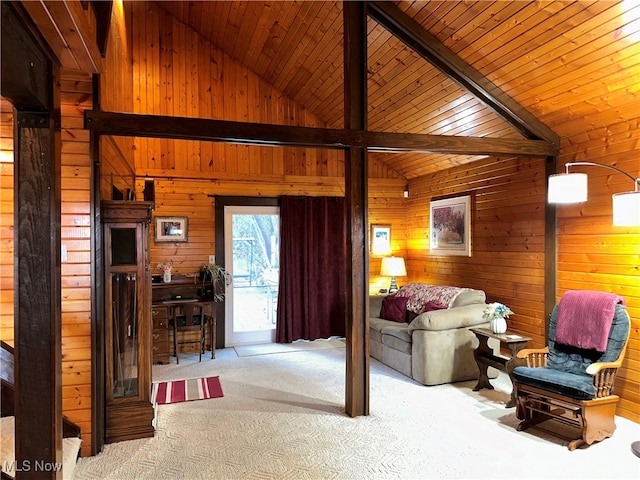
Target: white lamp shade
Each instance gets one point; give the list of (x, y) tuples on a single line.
[(567, 188), (626, 209), (393, 267)]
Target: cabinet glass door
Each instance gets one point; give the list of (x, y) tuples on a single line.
[(124, 327)]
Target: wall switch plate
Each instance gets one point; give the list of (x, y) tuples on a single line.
[(212, 259)]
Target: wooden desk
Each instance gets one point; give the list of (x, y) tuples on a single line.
[(486, 358), (168, 307), (166, 296)]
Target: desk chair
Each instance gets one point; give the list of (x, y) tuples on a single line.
[(189, 317)]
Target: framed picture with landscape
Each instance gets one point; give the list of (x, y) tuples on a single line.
[(171, 229), (450, 226)]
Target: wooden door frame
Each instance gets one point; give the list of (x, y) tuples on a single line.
[(221, 201)]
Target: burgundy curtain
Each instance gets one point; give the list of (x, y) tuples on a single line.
[(312, 291)]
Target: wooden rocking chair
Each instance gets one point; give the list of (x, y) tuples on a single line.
[(571, 385)]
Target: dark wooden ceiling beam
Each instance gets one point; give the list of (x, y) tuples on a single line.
[(185, 128), (431, 49)]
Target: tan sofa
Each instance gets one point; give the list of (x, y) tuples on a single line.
[(435, 347)]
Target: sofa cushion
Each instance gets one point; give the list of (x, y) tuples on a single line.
[(460, 317), (398, 338), (399, 332), (420, 294), (394, 308), (468, 296), (376, 325)]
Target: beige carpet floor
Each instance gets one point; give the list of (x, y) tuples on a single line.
[(269, 348), (282, 417)]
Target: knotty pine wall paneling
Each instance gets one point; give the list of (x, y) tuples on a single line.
[(177, 72), (507, 224), (116, 160), (595, 255), (188, 197), (166, 54), (6, 222), (76, 237), (508, 238)]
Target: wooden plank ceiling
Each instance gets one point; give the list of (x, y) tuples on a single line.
[(558, 59)]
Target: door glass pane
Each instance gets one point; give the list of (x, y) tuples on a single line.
[(125, 335), (123, 246), (256, 262)]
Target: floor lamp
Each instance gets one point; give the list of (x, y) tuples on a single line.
[(572, 188)]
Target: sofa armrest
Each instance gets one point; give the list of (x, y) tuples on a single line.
[(451, 318)]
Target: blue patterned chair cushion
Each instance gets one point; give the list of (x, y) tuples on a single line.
[(564, 383), (565, 372)]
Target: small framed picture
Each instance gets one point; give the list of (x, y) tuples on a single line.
[(380, 239), (171, 229), (450, 226)]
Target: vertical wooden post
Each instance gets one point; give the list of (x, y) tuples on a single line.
[(38, 370), (30, 82), (356, 198), (98, 407)]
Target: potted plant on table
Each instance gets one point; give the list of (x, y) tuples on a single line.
[(215, 276)]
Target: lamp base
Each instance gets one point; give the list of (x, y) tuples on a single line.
[(393, 288)]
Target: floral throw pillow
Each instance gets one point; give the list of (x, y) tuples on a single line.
[(394, 308)]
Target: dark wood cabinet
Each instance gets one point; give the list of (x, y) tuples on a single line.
[(128, 339), (160, 347)]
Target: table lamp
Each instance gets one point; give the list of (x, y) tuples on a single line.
[(393, 267)]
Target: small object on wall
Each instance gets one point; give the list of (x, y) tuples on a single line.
[(171, 229), (450, 226), (380, 239)]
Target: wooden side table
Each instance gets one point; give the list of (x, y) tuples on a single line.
[(486, 358)]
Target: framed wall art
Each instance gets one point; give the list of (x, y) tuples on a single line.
[(450, 226), (171, 229), (380, 239)]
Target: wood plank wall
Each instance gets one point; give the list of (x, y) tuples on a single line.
[(116, 158), (6, 222), (507, 225), (76, 96), (595, 255), (508, 241), (188, 197), (177, 72)]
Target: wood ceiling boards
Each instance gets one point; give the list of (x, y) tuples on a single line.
[(556, 59)]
